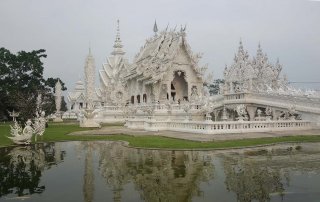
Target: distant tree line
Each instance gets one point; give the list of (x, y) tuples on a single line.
[(21, 81)]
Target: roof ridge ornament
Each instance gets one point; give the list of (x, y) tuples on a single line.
[(240, 45), (90, 54), (155, 28), (117, 43), (259, 51)]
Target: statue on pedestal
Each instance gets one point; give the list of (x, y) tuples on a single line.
[(58, 95), (241, 111), (88, 115), (39, 125), (14, 115)]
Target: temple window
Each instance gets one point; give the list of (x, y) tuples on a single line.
[(144, 98), (138, 98), (172, 87)]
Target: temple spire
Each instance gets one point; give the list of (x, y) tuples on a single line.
[(117, 43), (155, 28), (90, 51), (240, 45), (259, 51)]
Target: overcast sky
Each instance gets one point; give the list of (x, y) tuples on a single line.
[(287, 29)]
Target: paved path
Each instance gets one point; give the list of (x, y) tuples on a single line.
[(114, 130)]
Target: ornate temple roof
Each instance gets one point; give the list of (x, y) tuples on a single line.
[(158, 54), (115, 67), (79, 86), (78, 93), (258, 69)]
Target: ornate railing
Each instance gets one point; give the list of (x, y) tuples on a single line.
[(218, 127), (113, 108), (302, 103)]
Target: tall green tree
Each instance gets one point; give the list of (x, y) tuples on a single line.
[(21, 80)]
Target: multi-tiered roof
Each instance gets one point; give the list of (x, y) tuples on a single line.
[(113, 72), (158, 54)]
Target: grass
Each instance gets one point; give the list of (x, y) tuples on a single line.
[(58, 132)]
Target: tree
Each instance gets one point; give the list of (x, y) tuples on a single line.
[(214, 88), (21, 80)]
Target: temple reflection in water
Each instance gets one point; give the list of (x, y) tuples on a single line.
[(21, 167), (164, 175), (109, 171)]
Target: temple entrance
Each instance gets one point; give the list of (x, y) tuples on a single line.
[(179, 87)]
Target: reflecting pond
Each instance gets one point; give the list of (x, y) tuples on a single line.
[(109, 171)]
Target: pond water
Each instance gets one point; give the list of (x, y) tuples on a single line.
[(108, 171)]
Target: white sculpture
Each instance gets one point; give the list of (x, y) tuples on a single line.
[(208, 109), (259, 112), (14, 115), (268, 113), (241, 111), (39, 125), (224, 116), (89, 70), (186, 108), (58, 93), (58, 96), (21, 138)]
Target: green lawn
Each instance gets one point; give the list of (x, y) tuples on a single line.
[(56, 132)]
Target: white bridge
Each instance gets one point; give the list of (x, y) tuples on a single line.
[(307, 107)]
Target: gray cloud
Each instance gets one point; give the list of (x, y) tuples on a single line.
[(287, 29)]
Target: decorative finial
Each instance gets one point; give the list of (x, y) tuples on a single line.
[(240, 45), (155, 28), (259, 51), (118, 31), (117, 43), (118, 22), (167, 27)]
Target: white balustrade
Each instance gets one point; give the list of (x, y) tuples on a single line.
[(219, 127)]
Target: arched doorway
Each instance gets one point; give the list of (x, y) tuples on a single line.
[(179, 86)]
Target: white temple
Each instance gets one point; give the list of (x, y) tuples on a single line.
[(164, 88), (165, 69)]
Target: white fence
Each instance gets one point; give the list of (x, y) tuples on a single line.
[(218, 127)]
